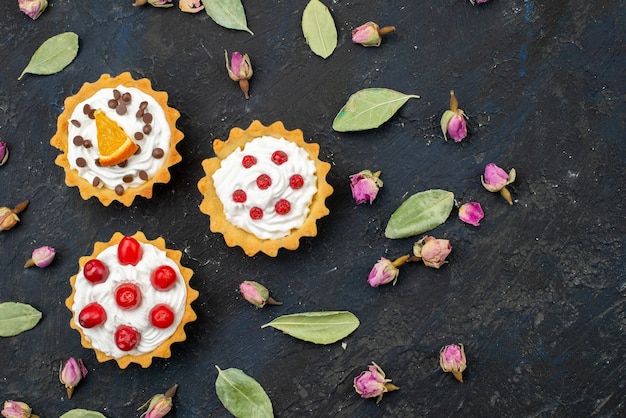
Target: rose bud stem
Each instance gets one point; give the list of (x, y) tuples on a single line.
[(386, 30), (504, 192), (401, 260), (140, 2), (171, 391), (20, 207), (271, 301), (454, 103), (245, 87)]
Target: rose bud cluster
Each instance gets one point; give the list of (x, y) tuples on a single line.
[(372, 383)]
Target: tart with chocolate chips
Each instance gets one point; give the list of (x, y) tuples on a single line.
[(118, 138)]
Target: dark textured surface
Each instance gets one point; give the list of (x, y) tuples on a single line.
[(536, 293)]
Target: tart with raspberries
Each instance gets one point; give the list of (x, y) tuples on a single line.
[(118, 138), (265, 189), (131, 300)]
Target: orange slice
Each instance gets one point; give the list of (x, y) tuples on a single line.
[(113, 143)]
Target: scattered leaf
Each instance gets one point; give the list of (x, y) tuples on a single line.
[(82, 413), (420, 213), (242, 395), (53, 55), (369, 108), (16, 318), (317, 327), (227, 13), (319, 29)]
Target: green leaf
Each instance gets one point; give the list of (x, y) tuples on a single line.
[(317, 327), (369, 108), (319, 29), (243, 396), (82, 413), (420, 213), (53, 55), (227, 13), (16, 318)]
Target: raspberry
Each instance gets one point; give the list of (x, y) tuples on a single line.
[(239, 196), (248, 161), (279, 157), (263, 181), (296, 181), (282, 207), (256, 213)]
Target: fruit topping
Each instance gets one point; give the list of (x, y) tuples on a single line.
[(279, 157), (239, 196), (256, 213), (282, 207), (95, 271), (114, 145), (126, 337), (92, 315), (128, 296), (296, 181), (162, 316), (163, 278), (263, 181), (129, 251), (248, 161)]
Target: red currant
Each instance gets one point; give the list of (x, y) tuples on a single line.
[(163, 278), (296, 181), (282, 207), (256, 213), (129, 251), (95, 271), (92, 315), (127, 337), (128, 296), (263, 181), (162, 316), (279, 157), (248, 161), (239, 196)]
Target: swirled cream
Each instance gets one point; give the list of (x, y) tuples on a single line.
[(142, 119), (102, 337), (267, 187)]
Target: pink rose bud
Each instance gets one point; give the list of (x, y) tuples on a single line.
[(9, 218), (372, 383), (432, 251), (453, 121), (370, 34), (385, 271), (190, 6), (41, 257), (496, 179), (4, 153), (471, 213), (71, 374), (14, 409), (240, 70), (155, 3), (257, 294), (474, 2), (33, 8), (452, 359), (365, 186), (159, 405)]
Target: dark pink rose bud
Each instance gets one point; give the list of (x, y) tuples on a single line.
[(159, 405), (474, 2), (452, 359), (71, 374), (372, 383), (432, 251), (471, 213), (453, 121), (385, 271), (365, 186), (496, 179), (4, 152), (240, 70)]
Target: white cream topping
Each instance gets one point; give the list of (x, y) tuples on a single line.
[(232, 175), (113, 176), (103, 337)]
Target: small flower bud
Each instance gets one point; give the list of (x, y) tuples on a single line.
[(496, 179), (452, 359), (240, 70), (370, 34), (9, 218), (474, 2), (190, 6), (432, 251), (372, 383), (385, 271), (159, 405), (41, 257), (365, 186), (4, 153), (471, 213), (15, 409), (33, 8), (257, 294), (71, 374), (453, 121)]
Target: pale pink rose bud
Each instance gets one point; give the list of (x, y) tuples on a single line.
[(452, 359), (432, 251), (370, 34), (41, 257), (496, 179), (385, 271), (159, 405), (257, 294), (372, 383), (4, 153), (453, 121), (365, 186), (71, 374), (240, 69), (33, 8), (471, 213), (15, 409), (190, 6)]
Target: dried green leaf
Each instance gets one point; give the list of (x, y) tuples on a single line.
[(53, 55), (420, 213), (228, 13), (369, 108), (82, 413), (243, 396), (317, 327), (319, 29), (16, 318)]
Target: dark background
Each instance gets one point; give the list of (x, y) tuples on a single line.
[(536, 292)]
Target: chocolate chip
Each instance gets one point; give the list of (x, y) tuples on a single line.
[(143, 175), (78, 140), (123, 164), (95, 182), (126, 97), (119, 189), (138, 150), (121, 109), (112, 103), (81, 162), (147, 129), (87, 143), (143, 105), (86, 109), (116, 94), (91, 114), (158, 153), (139, 114), (138, 136), (97, 161), (127, 178), (147, 118), (75, 123)]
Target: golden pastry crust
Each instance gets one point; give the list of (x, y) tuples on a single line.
[(212, 206), (179, 335), (60, 140)]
